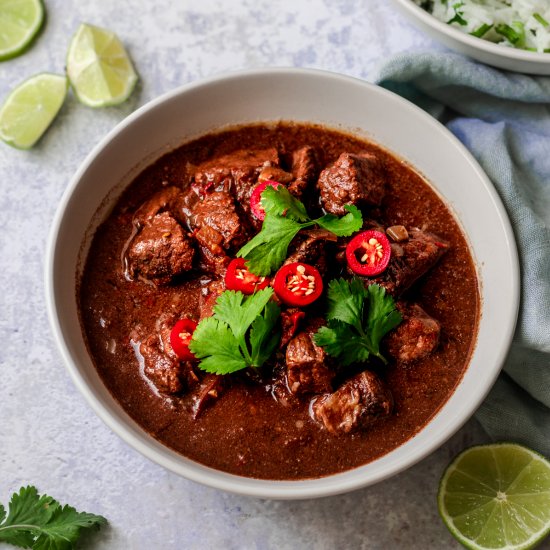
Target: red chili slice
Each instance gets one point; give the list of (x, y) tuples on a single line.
[(256, 198), (368, 253), (237, 277), (180, 336), (298, 284)]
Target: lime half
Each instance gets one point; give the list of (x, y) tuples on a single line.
[(30, 109), (497, 496), (20, 21), (99, 68)]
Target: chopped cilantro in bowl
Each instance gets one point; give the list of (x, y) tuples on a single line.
[(522, 24)]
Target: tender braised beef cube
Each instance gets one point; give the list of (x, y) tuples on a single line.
[(163, 370), (218, 213), (160, 251), (358, 403), (416, 337), (310, 247), (208, 297), (410, 260), (352, 179), (235, 172), (274, 173), (165, 200), (305, 169), (307, 371)]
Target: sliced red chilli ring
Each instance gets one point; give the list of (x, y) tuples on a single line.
[(368, 253), (180, 336), (237, 277), (298, 284), (256, 198)]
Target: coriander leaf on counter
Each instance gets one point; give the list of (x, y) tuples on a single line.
[(358, 318), (241, 333), (41, 523), (285, 216)]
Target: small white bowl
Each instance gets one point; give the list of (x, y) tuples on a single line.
[(298, 95), (512, 59)]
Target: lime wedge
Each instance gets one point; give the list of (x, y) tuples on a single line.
[(497, 496), (99, 68), (20, 21), (30, 109)]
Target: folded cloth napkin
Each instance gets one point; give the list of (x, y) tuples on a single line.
[(504, 120)]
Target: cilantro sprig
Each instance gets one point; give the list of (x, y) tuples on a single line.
[(241, 333), (41, 523), (285, 216), (358, 318)]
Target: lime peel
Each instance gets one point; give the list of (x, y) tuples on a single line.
[(99, 68), (496, 496), (20, 22), (30, 109)]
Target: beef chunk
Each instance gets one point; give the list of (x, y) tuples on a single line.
[(416, 337), (218, 223), (358, 403), (307, 371), (274, 173), (305, 169), (162, 369), (160, 251), (410, 260), (310, 247), (208, 297), (165, 200), (352, 179), (236, 172)]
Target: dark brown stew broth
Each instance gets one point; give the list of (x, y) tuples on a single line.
[(248, 431)]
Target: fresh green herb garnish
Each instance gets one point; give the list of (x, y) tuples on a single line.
[(541, 19), (458, 15), (515, 34), (358, 318), (41, 523), (242, 332), (482, 30), (285, 216)]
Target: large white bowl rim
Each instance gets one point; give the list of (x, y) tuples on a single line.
[(300, 95)]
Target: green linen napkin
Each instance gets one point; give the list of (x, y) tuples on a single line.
[(504, 120)]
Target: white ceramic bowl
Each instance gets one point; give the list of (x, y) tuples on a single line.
[(512, 59), (298, 95)]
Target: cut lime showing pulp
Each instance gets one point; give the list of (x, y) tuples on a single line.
[(99, 68), (20, 21), (497, 496), (30, 109)]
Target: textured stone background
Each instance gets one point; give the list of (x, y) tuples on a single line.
[(48, 435)]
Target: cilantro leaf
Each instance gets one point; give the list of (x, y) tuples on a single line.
[(41, 523), (215, 344), (358, 318), (242, 332), (266, 251), (345, 301), (344, 226), (237, 312), (280, 202), (340, 340), (285, 215), (263, 337), (381, 317)]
